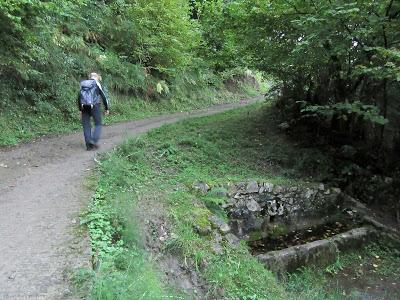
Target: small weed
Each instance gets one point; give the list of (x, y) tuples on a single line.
[(82, 279)]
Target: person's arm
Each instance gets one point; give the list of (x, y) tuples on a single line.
[(104, 97)]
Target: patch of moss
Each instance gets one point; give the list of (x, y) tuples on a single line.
[(200, 218), (256, 235)]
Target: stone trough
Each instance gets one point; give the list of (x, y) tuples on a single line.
[(289, 227), (320, 252)]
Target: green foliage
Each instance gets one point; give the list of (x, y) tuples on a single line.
[(339, 58), (146, 49), (102, 222), (156, 34), (345, 111), (220, 47)]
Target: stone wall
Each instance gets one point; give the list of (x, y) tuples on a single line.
[(254, 206)]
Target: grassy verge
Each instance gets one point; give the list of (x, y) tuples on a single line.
[(22, 122), (151, 177)]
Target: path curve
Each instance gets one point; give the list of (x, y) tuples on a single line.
[(41, 195)]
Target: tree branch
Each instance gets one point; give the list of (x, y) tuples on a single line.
[(389, 7)]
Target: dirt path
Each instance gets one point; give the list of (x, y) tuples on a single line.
[(41, 195)]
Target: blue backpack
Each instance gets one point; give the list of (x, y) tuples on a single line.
[(88, 94)]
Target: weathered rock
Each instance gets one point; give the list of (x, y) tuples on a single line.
[(215, 221), (201, 230), (272, 208), (236, 213), (309, 194), (232, 202), (217, 248), (278, 190), (269, 187), (232, 239), (225, 228), (219, 192), (226, 205), (252, 187), (241, 187), (237, 226), (280, 210), (217, 237), (201, 187), (284, 126), (253, 206), (232, 190), (240, 203), (219, 224)]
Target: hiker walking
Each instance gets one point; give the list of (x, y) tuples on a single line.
[(89, 105)]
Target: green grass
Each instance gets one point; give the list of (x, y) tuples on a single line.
[(21, 122), (158, 170)]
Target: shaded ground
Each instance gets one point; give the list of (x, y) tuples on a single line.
[(364, 282), (369, 273), (373, 273), (41, 195)]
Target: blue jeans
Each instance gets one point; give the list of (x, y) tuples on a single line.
[(87, 113)]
